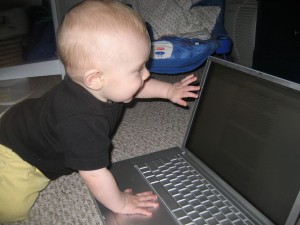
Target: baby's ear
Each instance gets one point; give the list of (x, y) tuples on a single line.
[(93, 79)]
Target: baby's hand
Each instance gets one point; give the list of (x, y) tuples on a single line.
[(180, 90), (137, 203)]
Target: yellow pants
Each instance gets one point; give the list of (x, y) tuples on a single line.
[(20, 185)]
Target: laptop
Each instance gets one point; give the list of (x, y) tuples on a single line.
[(239, 162)]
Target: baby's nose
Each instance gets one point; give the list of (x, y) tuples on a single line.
[(146, 74)]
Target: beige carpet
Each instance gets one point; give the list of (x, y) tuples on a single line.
[(147, 126)]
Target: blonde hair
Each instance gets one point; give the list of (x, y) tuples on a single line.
[(79, 37)]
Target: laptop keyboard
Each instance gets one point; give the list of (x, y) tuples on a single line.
[(189, 196)]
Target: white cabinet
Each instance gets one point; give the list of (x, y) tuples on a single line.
[(41, 68)]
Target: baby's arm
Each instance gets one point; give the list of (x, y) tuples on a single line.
[(174, 92), (103, 186)]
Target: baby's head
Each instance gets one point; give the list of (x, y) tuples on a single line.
[(104, 46), (94, 32)]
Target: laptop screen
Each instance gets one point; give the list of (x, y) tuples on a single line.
[(246, 129)]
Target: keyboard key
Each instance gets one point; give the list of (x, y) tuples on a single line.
[(159, 163), (179, 213), (188, 209), (179, 186), (200, 209), (194, 203), (232, 217), (152, 179), (183, 203), (241, 216), (173, 158), (206, 215), (211, 221), (185, 220), (213, 210), (219, 216), (238, 222), (202, 198), (219, 204), (207, 204), (166, 197), (225, 222), (178, 197), (174, 192), (185, 191), (193, 215), (213, 198), (199, 221), (225, 210), (189, 196), (151, 166)]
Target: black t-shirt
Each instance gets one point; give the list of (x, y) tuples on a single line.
[(65, 130)]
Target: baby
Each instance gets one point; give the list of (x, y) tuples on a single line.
[(104, 46)]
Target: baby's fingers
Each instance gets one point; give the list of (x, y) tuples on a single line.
[(191, 76), (147, 197), (143, 211), (188, 80), (145, 193), (145, 200)]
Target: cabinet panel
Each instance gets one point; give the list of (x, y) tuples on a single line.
[(35, 67)]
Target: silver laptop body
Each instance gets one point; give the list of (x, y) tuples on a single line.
[(239, 161)]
